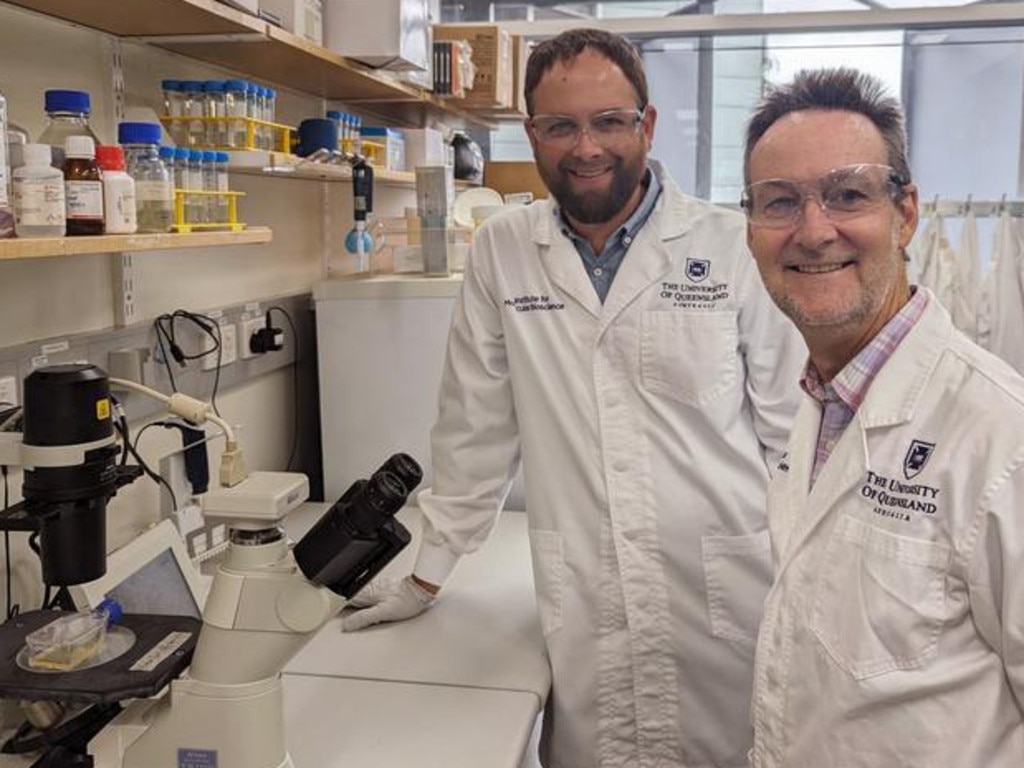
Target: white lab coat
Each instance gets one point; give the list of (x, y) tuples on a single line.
[(643, 426), (894, 632)]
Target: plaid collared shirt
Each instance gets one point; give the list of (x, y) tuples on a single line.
[(841, 397)]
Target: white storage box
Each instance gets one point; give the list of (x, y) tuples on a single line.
[(393, 142), (303, 17), (390, 34), (423, 146)]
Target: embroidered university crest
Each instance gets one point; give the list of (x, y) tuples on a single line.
[(698, 269), (917, 456)]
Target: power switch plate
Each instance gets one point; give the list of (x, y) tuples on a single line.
[(229, 347), (8, 390)]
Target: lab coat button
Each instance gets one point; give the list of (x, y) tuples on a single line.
[(598, 272)]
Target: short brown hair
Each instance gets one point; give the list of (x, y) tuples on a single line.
[(570, 44), (840, 89)]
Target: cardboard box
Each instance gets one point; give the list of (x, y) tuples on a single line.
[(303, 17), (510, 177), (492, 57), (389, 34)]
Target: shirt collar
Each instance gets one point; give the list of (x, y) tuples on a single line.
[(629, 227), (851, 384)]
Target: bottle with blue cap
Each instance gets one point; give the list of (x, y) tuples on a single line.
[(67, 114), (154, 185), (235, 95), (215, 106), (174, 106)]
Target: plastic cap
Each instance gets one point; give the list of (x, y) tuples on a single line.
[(112, 609), (66, 101), (110, 157), (209, 157), (236, 85), (216, 86), (181, 154), (171, 85), (191, 85), (195, 155), (336, 115), (223, 157), (167, 153), (37, 154), (138, 133), (79, 146)]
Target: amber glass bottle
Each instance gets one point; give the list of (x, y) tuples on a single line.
[(83, 187)]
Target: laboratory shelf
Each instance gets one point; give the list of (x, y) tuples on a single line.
[(211, 32), (130, 18), (44, 247), (264, 163)]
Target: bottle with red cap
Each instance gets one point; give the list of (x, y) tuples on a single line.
[(118, 191)]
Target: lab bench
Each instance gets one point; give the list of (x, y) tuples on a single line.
[(459, 686)]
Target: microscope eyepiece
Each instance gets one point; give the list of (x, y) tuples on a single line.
[(359, 534), (405, 468)]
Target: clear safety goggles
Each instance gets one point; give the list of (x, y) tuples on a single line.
[(842, 193), (612, 128)]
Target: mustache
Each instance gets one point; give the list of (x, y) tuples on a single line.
[(583, 166)]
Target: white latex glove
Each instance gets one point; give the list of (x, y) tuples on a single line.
[(386, 600)]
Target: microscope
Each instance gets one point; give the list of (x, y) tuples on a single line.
[(267, 600)]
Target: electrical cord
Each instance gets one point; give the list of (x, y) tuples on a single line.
[(155, 477), (295, 382), (166, 336), (11, 610)]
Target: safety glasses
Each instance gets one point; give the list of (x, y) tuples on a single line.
[(842, 193), (612, 128)]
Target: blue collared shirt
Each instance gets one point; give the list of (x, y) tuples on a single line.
[(602, 267)]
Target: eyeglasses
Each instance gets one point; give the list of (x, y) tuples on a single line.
[(842, 194), (609, 129)]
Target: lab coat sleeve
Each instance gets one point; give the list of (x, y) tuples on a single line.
[(475, 442), (773, 354), (995, 578)]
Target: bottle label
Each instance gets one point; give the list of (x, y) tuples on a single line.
[(149, 191), (39, 203), (85, 199), (119, 202)]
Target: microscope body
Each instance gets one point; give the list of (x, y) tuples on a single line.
[(260, 612), (267, 601)]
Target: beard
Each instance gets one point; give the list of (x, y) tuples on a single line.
[(593, 206)]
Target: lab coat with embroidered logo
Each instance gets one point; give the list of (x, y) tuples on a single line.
[(643, 425), (894, 633)]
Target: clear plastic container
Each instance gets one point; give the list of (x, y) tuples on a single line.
[(215, 106), (221, 205), (174, 106), (72, 639), (154, 185), (192, 106), (67, 114), (17, 138), (39, 203), (195, 207), (6, 208), (235, 96), (210, 185)]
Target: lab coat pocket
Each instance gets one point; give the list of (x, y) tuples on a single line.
[(689, 356), (880, 599), (737, 574), (548, 574)]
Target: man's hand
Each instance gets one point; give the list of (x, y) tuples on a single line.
[(389, 600)]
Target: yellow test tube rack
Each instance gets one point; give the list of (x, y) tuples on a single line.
[(181, 224)]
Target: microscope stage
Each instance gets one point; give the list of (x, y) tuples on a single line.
[(156, 647)]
